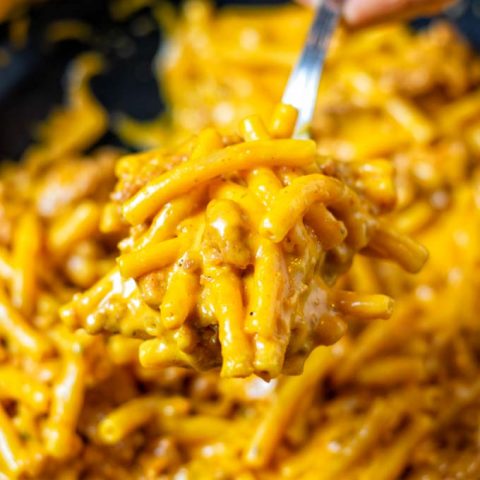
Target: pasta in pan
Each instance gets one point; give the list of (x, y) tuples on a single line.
[(392, 399)]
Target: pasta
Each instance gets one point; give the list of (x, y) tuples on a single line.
[(239, 281), (85, 390)]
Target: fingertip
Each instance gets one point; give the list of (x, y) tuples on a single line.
[(354, 12)]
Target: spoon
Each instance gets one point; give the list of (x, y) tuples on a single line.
[(302, 86)]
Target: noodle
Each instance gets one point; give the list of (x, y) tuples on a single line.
[(98, 394), (251, 268)]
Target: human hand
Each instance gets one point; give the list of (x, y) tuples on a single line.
[(361, 12)]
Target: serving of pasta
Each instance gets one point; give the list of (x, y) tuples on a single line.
[(234, 303), (246, 235)]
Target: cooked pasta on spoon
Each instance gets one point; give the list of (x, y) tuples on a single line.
[(234, 246)]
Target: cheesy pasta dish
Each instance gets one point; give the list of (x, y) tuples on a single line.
[(234, 303)]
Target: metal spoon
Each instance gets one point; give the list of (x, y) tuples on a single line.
[(302, 86)]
